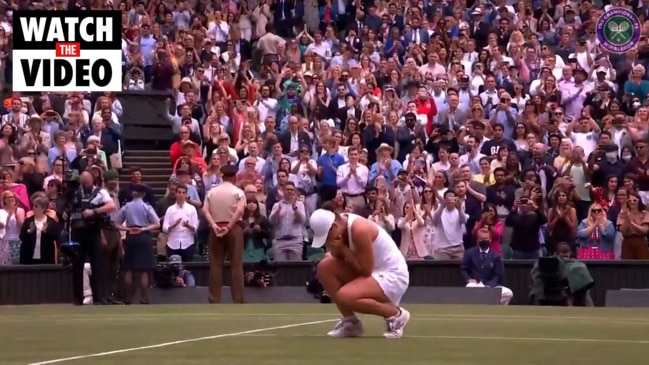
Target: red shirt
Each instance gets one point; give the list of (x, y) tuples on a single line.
[(176, 152), (429, 109)]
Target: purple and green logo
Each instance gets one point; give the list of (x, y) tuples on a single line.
[(618, 30)]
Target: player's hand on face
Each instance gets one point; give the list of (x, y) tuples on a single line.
[(336, 251)]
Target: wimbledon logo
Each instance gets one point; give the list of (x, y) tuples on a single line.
[(618, 30)]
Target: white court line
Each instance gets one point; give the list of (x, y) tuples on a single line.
[(479, 338), (179, 342), (9, 317)]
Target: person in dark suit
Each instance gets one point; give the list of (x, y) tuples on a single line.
[(244, 47), (294, 138), (125, 194), (282, 15), (38, 235), (478, 29), (417, 35), (483, 268)]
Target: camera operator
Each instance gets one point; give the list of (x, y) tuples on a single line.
[(172, 274), (87, 218)]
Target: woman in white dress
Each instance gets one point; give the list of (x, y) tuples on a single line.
[(427, 206), (245, 23), (14, 216), (262, 15)]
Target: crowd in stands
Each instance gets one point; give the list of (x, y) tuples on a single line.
[(437, 120)]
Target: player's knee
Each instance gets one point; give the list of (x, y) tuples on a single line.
[(346, 296), (325, 267)]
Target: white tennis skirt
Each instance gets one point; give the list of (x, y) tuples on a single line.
[(393, 283)]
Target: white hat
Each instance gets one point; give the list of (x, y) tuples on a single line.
[(383, 146), (321, 221)]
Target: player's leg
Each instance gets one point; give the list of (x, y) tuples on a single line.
[(333, 274), (364, 295), (379, 296)]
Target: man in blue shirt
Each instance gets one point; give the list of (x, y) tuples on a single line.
[(327, 166)]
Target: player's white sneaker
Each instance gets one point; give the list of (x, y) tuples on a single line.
[(396, 324), (346, 328)]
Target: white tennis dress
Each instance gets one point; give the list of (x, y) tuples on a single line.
[(390, 268)]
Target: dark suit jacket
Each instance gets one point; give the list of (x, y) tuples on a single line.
[(48, 237), (285, 140), (489, 271), (245, 48), (276, 8), (125, 195), (473, 208), (406, 139), (398, 22), (372, 141), (481, 35), (272, 197), (510, 195), (341, 113)]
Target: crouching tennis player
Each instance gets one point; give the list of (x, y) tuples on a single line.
[(363, 271)]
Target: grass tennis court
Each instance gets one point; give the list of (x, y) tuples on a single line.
[(295, 334)]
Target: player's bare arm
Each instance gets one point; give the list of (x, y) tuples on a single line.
[(363, 234)]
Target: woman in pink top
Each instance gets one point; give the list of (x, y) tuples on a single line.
[(7, 184), (490, 220)]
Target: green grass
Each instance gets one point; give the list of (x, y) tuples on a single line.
[(443, 335)]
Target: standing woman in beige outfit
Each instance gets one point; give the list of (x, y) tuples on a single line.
[(633, 223), (262, 16)]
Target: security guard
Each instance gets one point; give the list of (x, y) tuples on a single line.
[(137, 218), (223, 208), (86, 230)]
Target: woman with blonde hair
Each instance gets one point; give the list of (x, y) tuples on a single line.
[(595, 235), (516, 39), (211, 133), (247, 135), (383, 190), (565, 153), (212, 176), (11, 217)]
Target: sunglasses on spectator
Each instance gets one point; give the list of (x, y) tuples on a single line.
[(596, 210), (632, 201)]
